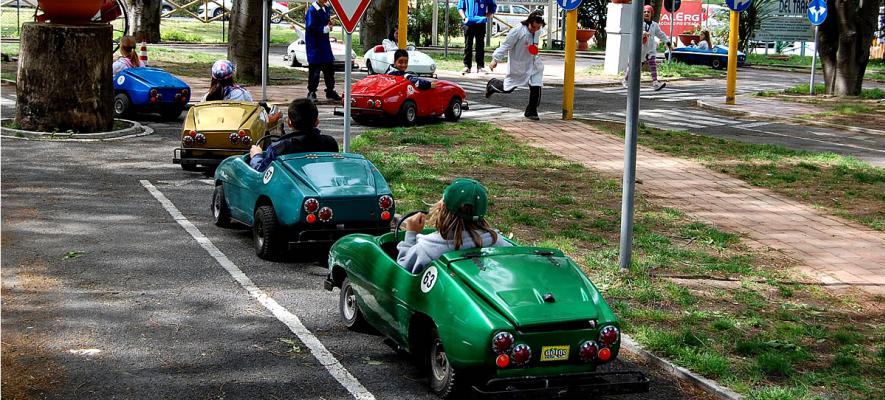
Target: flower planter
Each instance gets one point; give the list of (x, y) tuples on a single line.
[(584, 36), (69, 12), (686, 39)]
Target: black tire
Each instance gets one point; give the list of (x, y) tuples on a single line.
[(166, 10), (350, 311), (172, 113), (218, 11), (266, 233), (408, 113), (276, 18), (716, 63), (442, 374), (122, 106), (295, 62), (220, 209), (453, 111), (369, 69)]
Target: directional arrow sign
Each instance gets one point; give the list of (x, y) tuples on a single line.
[(738, 5), (817, 11), (350, 12), (569, 5), (672, 6)]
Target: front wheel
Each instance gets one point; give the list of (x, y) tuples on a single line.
[(442, 373), (295, 62), (350, 310), (453, 111), (266, 233), (716, 64), (369, 69), (408, 113), (220, 209), (122, 105)]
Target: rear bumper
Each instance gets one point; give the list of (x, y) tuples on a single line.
[(209, 157), (585, 383), (302, 234)]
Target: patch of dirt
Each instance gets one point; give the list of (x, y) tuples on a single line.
[(29, 369)]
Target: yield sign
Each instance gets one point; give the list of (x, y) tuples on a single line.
[(350, 12)]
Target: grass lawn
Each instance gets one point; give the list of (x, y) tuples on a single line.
[(866, 110), (695, 293), (875, 68), (668, 70), (838, 185)]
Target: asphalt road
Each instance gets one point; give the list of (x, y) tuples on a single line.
[(106, 295)]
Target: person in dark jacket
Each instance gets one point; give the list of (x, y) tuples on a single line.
[(399, 67), (474, 15), (318, 24), (304, 119)]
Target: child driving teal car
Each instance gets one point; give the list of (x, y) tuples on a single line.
[(399, 67), (460, 224), (304, 119)]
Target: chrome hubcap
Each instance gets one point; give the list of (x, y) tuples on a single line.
[(439, 362), (349, 304)]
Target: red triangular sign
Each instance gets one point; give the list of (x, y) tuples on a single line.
[(350, 12)]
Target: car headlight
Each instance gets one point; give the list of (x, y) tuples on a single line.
[(432, 67)]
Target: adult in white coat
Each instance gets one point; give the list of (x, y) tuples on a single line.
[(650, 31), (526, 67)]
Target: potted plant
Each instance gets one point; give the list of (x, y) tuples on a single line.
[(691, 36), (584, 35), (592, 16)]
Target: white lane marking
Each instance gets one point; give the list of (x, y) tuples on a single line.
[(291, 320), (810, 139), (753, 124)]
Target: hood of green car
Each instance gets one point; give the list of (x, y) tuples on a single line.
[(332, 175), (222, 115), (529, 286)]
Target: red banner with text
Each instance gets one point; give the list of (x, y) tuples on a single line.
[(689, 17)]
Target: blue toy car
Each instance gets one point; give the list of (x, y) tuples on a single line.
[(302, 198), (149, 90), (716, 58)]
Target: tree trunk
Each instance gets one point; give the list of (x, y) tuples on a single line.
[(844, 44), (65, 81), (380, 18), (245, 39), (144, 20)]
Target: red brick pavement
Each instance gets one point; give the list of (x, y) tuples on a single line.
[(838, 252)]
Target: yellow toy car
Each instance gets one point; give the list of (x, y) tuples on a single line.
[(215, 130)]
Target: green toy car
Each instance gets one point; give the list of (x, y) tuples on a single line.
[(302, 198), (497, 321)]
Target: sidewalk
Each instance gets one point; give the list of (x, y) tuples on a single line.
[(838, 252)]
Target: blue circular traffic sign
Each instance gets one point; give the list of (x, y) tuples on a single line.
[(569, 5), (738, 5), (817, 11)]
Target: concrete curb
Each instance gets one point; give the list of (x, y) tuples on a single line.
[(800, 121), (707, 385), (134, 130)]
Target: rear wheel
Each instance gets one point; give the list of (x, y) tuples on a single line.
[(350, 310), (220, 209), (453, 111), (295, 62), (266, 233), (442, 373), (408, 113), (716, 63), (369, 67), (122, 105)]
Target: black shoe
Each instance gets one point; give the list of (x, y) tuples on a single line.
[(489, 90), (533, 117), (312, 96), (332, 95)]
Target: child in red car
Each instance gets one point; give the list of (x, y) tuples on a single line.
[(399, 67)]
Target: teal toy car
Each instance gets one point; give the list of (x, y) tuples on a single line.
[(302, 198), (496, 321)]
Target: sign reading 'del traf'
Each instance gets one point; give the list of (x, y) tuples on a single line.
[(350, 12)]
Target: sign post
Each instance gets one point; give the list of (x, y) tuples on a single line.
[(349, 12), (817, 14), (571, 39), (672, 6), (736, 7)]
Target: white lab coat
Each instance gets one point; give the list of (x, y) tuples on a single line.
[(649, 48), (525, 68)]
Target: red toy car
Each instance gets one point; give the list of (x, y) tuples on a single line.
[(377, 96)]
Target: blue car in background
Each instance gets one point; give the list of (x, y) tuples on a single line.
[(149, 90), (716, 58)]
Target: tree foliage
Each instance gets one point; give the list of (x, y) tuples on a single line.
[(592, 15), (380, 18), (421, 22)]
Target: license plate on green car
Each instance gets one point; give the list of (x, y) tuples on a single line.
[(554, 353)]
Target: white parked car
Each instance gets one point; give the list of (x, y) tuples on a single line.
[(510, 14), (213, 9), (378, 60), (297, 53)]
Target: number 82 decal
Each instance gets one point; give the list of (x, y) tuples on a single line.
[(428, 280)]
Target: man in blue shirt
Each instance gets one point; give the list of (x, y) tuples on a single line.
[(319, 52), (474, 14)]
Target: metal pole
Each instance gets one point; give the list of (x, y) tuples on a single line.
[(813, 62), (672, 22), (446, 33), (733, 33), (568, 81), (347, 71), (403, 24), (18, 22), (264, 49), (630, 135)]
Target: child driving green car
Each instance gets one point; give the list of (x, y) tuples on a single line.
[(460, 224)]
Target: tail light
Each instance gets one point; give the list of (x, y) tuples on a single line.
[(385, 215), (233, 138), (192, 133), (521, 354), (608, 335), (154, 95), (187, 140), (200, 139), (588, 350), (502, 342), (185, 95), (385, 202), (371, 103), (377, 103), (311, 205), (605, 354), (247, 140), (325, 214), (502, 361), (242, 133), (311, 218)]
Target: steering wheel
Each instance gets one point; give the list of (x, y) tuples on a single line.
[(260, 142), (405, 217)]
